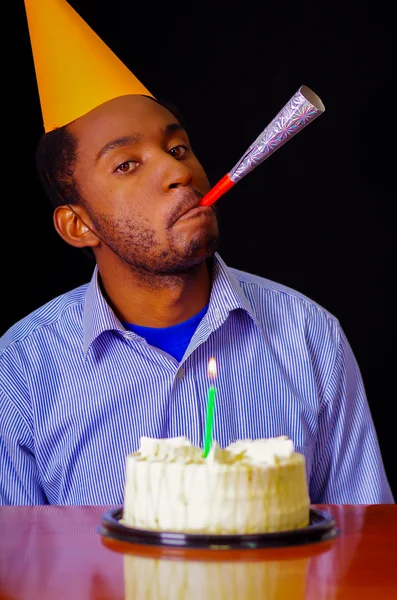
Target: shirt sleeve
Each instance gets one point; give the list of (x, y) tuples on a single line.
[(19, 474), (348, 463)]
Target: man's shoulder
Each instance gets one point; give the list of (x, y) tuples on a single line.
[(57, 312), (259, 289)]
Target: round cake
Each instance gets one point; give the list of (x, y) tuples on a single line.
[(251, 486)]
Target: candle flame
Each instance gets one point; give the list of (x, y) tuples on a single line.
[(212, 368)]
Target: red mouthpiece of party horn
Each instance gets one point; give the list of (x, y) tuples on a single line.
[(217, 191)]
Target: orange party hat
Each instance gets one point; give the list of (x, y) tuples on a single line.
[(76, 71)]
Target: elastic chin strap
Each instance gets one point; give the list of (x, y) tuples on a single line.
[(84, 223), (64, 203), (88, 251)]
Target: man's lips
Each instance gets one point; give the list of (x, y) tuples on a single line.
[(196, 211)]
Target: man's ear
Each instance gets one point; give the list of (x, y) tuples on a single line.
[(70, 225)]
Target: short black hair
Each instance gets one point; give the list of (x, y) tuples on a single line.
[(56, 157)]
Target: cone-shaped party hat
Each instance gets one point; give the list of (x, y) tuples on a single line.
[(75, 70)]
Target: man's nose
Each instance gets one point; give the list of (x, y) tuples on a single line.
[(176, 174)]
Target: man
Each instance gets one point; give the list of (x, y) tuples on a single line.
[(126, 355)]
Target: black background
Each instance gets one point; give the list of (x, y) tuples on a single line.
[(317, 215)]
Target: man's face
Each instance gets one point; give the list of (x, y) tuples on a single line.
[(141, 184)]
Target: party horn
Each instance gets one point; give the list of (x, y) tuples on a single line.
[(302, 109)]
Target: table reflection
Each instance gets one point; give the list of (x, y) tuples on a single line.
[(57, 553), (167, 579), (305, 572), (167, 574)]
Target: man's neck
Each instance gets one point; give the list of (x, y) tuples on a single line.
[(166, 301)]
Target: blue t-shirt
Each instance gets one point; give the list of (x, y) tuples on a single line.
[(175, 339)]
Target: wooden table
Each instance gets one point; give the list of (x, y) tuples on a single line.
[(56, 553)]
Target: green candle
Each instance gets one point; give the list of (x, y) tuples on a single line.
[(209, 420)]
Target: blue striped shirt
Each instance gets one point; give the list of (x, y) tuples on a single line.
[(78, 390)]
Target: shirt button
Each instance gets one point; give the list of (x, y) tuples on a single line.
[(180, 373), (217, 314)]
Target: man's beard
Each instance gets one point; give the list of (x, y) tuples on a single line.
[(139, 248)]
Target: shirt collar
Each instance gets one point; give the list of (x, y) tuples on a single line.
[(226, 295), (97, 315)]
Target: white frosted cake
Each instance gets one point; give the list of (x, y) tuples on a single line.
[(252, 486)]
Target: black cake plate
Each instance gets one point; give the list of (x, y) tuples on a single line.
[(321, 528)]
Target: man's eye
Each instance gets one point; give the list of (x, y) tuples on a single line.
[(126, 167), (179, 151)]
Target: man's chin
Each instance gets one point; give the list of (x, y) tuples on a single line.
[(201, 252), (192, 257)]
